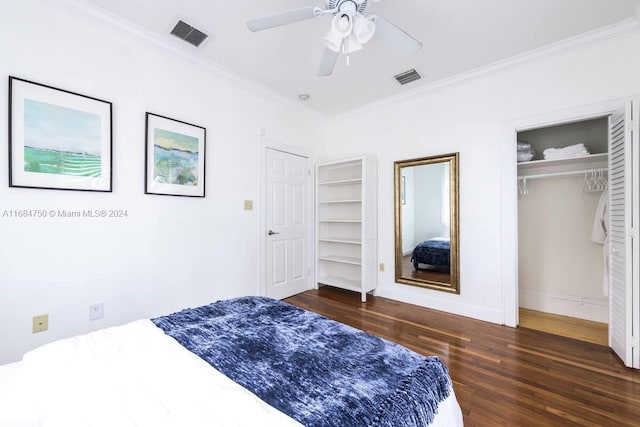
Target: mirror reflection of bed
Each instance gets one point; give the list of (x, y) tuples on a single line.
[(426, 222), (429, 260)]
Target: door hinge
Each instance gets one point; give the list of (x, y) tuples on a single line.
[(633, 232)]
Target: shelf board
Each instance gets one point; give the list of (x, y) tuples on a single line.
[(341, 282), (342, 182), (339, 201), (342, 164), (341, 220), (341, 240), (573, 163), (341, 259)]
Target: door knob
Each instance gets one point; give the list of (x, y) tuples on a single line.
[(271, 232)]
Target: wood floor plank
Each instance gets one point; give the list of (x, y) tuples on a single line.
[(584, 330), (502, 376)]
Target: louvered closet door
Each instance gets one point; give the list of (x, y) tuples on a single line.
[(623, 202)]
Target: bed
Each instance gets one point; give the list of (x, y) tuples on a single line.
[(248, 361), (435, 253)]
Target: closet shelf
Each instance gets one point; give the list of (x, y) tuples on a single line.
[(535, 167)]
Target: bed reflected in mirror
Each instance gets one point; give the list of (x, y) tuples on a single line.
[(426, 222)]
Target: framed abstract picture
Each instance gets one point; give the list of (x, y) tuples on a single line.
[(58, 139), (175, 157)]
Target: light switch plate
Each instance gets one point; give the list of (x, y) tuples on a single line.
[(248, 205)]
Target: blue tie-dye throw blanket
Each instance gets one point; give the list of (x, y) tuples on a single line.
[(317, 371)]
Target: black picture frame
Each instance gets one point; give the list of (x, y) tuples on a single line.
[(58, 139), (175, 157)]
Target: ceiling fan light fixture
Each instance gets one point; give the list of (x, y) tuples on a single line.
[(351, 44), (364, 28), (350, 29), (333, 41), (342, 24)]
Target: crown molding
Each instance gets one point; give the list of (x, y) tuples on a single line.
[(620, 29), (97, 15)]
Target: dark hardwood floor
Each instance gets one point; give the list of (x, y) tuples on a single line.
[(502, 376), (423, 274)]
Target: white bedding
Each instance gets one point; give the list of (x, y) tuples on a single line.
[(15, 409), (135, 375)]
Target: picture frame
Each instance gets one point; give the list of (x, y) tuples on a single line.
[(174, 157), (58, 139)]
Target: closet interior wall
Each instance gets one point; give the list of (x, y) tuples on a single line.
[(560, 270)]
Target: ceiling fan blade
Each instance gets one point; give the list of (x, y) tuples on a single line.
[(396, 36), (282, 18), (327, 62)]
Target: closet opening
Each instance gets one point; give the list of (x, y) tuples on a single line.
[(562, 198)]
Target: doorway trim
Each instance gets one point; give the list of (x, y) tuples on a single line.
[(270, 144), (509, 190)]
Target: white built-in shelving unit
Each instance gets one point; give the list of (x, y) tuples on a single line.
[(346, 224)]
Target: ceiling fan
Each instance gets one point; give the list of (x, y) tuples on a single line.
[(350, 29)]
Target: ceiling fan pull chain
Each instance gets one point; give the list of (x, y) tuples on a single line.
[(345, 46)]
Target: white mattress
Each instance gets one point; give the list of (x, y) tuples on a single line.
[(135, 375)]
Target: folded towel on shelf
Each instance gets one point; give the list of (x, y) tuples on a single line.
[(525, 153), (576, 150), (523, 147)]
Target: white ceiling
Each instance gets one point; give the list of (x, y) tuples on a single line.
[(457, 36)]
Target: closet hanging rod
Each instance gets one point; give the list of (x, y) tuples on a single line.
[(569, 173)]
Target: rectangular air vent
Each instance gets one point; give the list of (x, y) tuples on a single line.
[(407, 77), (186, 32)]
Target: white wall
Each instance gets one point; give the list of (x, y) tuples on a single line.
[(560, 270), (467, 117), (169, 252)]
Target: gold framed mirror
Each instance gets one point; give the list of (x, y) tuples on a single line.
[(426, 222)]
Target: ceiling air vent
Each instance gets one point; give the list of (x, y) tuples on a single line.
[(407, 77), (186, 32)]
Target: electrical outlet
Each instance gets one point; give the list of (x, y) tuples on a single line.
[(40, 323), (248, 205), (382, 266), (96, 311)]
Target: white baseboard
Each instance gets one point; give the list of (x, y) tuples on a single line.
[(594, 309), (428, 300)]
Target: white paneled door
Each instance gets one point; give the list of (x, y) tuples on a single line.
[(624, 292), (287, 224)]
